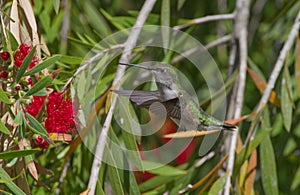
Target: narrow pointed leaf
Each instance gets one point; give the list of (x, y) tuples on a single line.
[(296, 180), (249, 183), (17, 153), (165, 21), (10, 185), (286, 101), (161, 169), (297, 68), (25, 64), (180, 3), (3, 97), (268, 167), (41, 66), (3, 128), (261, 84), (39, 86), (37, 126), (218, 185)]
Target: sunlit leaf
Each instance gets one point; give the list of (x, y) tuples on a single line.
[(10, 185), (41, 66), (165, 21), (17, 153), (180, 3), (268, 167), (218, 185), (37, 127), (3, 97), (161, 169), (286, 102), (297, 68), (190, 133), (296, 180), (56, 4), (3, 128), (39, 86)]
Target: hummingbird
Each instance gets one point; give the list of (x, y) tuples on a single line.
[(179, 105)]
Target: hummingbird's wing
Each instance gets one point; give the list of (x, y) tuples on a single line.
[(140, 98)]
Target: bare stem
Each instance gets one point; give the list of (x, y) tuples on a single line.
[(128, 46), (240, 34), (189, 52), (205, 19)]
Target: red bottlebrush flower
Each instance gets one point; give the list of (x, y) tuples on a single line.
[(4, 74), (30, 81), (36, 105), (21, 54), (5, 55), (60, 114), (41, 143)]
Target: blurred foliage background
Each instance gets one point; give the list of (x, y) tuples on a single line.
[(72, 28)]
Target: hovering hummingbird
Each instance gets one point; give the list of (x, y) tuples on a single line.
[(178, 103)]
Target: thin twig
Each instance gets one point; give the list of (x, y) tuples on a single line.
[(128, 46), (90, 61), (189, 52), (279, 64), (205, 19), (240, 33), (63, 174)]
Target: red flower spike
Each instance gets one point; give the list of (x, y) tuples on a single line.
[(21, 54), (36, 105), (60, 114), (5, 55)]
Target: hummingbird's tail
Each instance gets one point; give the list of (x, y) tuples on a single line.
[(229, 127)]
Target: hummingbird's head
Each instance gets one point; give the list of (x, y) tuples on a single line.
[(165, 77)]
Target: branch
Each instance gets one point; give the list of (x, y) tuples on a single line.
[(240, 34), (91, 60), (279, 64), (205, 19), (189, 52), (128, 46)]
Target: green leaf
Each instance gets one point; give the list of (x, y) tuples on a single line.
[(71, 59), (41, 66), (19, 118), (180, 3), (17, 153), (25, 64), (162, 169), (3, 97), (218, 185), (113, 173), (165, 22), (296, 180), (247, 150), (154, 182), (10, 185), (39, 86), (56, 4), (286, 99), (297, 68), (37, 126), (3, 128), (13, 41), (268, 167)]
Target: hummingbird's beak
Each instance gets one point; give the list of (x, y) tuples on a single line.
[(137, 65)]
